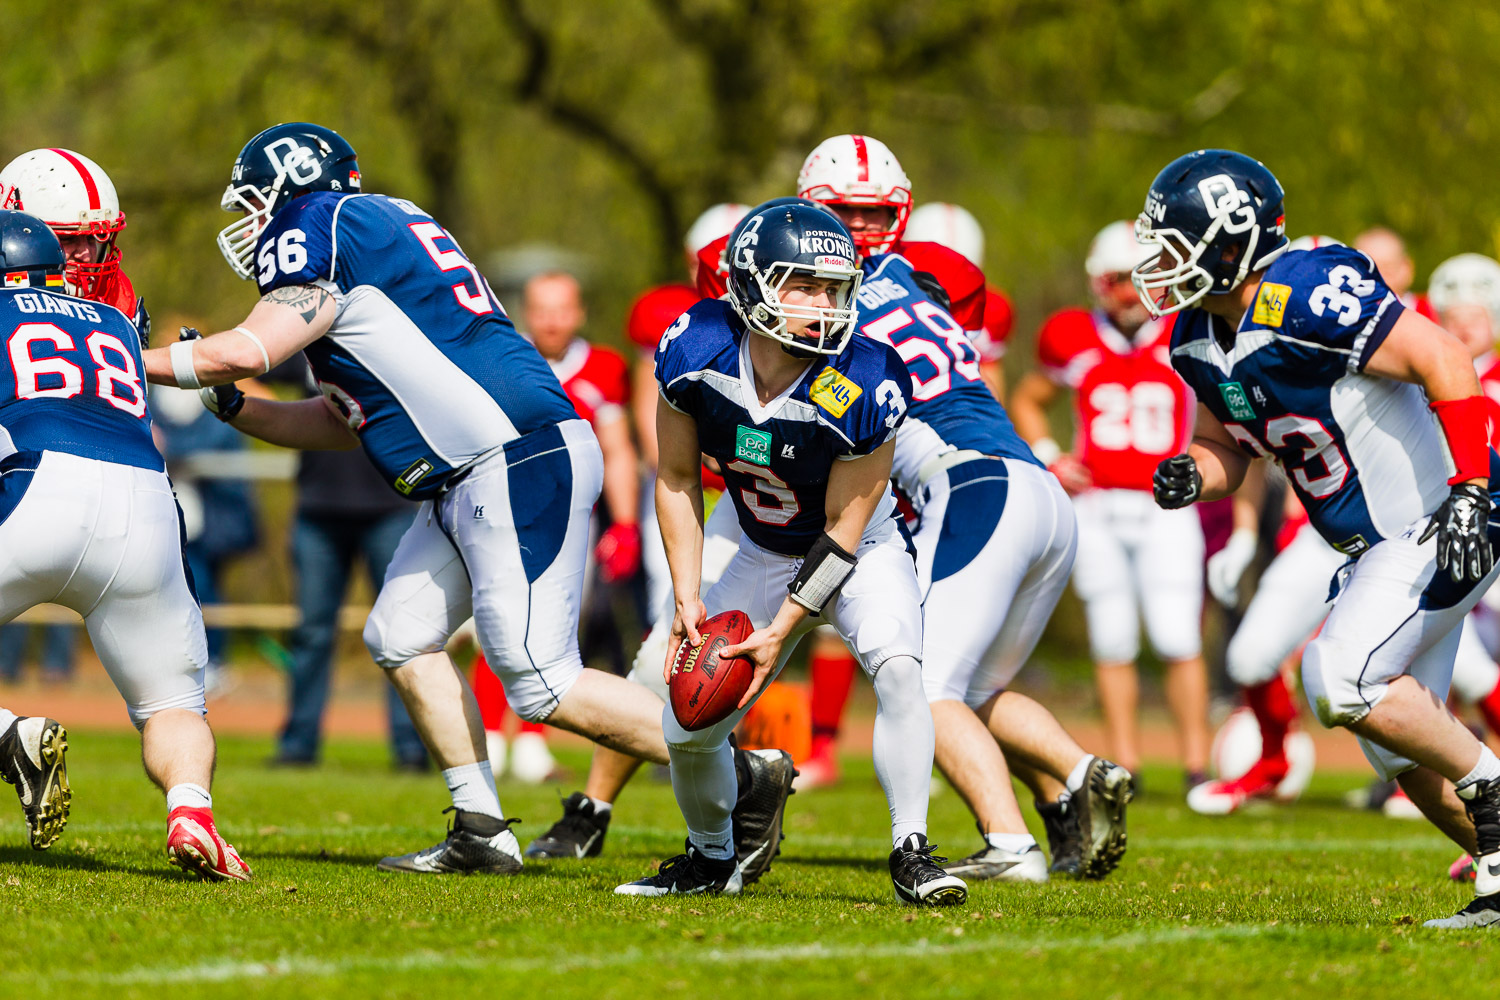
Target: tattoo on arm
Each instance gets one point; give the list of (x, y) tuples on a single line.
[(306, 299)]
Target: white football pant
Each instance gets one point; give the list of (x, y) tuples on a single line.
[(994, 549), (507, 545), (105, 540), (1136, 561), (1290, 603)]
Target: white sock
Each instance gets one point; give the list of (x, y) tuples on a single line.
[(473, 789), (601, 807), (192, 796), (903, 745), (1016, 843), (705, 786), (1487, 769), (7, 719), (1075, 776)]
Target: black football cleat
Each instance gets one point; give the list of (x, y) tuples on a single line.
[(688, 874), (33, 757), (579, 834), (919, 879), (765, 782), (476, 844), (1060, 820), (1107, 790), (1482, 802)]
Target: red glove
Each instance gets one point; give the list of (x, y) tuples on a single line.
[(618, 552), (1073, 474)]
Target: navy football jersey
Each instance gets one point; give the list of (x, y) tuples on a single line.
[(70, 380), (951, 407), (776, 458), (1362, 452), (421, 360)]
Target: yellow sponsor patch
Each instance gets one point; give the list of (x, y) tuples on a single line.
[(833, 392), (1270, 303)]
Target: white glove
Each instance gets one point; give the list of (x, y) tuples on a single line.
[(1228, 565)]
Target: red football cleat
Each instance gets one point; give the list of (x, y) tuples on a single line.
[(1220, 798), (1462, 870), (196, 847)]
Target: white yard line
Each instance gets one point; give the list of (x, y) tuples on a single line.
[(813, 952)]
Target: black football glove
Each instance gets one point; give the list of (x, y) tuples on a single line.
[(223, 401), (1461, 525), (1176, 483)]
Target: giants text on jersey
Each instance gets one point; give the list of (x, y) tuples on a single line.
[(70, 380), (951, 408)]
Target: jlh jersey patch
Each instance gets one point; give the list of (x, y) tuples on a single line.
[(1237, 401), (1270, 304), (752, 445), (833, 392)]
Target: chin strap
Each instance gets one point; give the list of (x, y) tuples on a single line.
[(1466, 425)]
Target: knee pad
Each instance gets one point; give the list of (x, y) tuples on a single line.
[(1251, 659), (1330, 677), (394, 638), (191, 701)]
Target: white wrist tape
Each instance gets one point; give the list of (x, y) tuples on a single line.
[(1046, 451), (265, 359), (183, 371)]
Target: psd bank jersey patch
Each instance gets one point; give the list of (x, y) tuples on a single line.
[(421, 361), (1292, 388), (776, 458)]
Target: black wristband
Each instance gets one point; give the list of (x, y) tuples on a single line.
[(824, 570)]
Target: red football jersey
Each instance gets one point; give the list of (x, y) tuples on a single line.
[(963, 282), (1488, 368), (596, 379), (1420, 302), (1130, 408), (654, 311), (999, 319)]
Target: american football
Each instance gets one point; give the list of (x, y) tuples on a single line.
[(706, 689)]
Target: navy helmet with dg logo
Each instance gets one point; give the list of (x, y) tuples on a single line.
[(1217, 215), (777, 243), (274, 167), (30, 256)]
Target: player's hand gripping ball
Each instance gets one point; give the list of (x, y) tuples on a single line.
[(705, 689)]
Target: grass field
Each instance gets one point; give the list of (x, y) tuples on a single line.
[(1307, 901)]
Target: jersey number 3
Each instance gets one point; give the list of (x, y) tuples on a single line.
[(117, 380)]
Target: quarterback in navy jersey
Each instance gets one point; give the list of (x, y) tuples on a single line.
[(419, 364), (802, 417), (88, 521), (1376, 415)]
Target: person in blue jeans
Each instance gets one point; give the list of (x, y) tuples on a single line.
[(58, 644), (344, 510)]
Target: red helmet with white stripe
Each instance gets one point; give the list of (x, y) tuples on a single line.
[(70, 193), (860, 171)]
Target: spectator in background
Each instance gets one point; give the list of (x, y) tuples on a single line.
[(1395, 265), (58, 643), (955, 227), (218, 513), (344, 510)]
